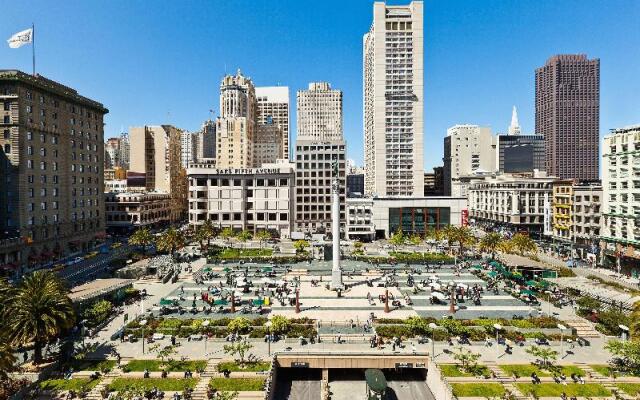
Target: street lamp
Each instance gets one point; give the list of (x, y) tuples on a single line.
[(562, 328), (625, 332), (268, 325), (497, 327), (205, 323), (433, 328), (142, 324)]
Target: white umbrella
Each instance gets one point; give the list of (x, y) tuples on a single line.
[(463, 285), (438, 295), (435, 286), (292, 296)]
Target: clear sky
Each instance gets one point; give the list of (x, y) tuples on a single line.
[(153, 62)]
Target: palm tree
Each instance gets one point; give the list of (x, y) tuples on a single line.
[(208, 231), (397, 239), (141, 237), (7, 357), (490, 242), (450, 234), (465, 237), (262, 236), (170, 241), (41, 309), (523, 243)]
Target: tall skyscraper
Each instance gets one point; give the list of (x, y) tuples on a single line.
[(568, 115), (206, 142), (514, 128), (319, 112), (273, 110), (51, 169), (124, 150), (394, 101), (319, 144), (188, 148), (112, 153), (156, 155), (236, 126)]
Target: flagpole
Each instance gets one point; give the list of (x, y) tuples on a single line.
[(33, 47)]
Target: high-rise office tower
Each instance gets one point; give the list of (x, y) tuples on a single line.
[(51, 170), (273, 110), (188, 148), (319, 144), (206, 142), (467, 149), (236, 126), (112, 153), (157, 157), (394, 101), (319, 112), (124, 150), (568, 115), (514, 128)]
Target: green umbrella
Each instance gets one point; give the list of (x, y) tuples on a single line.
[(492, 274), (527, 292), (375, 380), (226, 269), (476, 267), (517, 275), (543, 284), (257, 302), (165, 302), (207, 269), (495, 264), (220, 302), (267, 269), (531, 283)]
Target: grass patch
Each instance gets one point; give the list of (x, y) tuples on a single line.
[(164, 384), (157, 365), (237, 384), (247, 367), (452, 371), (477, 390), (571, 389), (92, 365), (523, 370), (76, 384), (230, 253), (602, 369), (632, 389)]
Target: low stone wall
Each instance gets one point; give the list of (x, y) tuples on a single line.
[(440, 389)]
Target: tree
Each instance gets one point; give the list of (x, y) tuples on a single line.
[(397, 239), (450, 234), (227, 234), (415, 240), (280, 324), (357, 247), (141, 237), (244, 236), (627, 354), (635, 320), (204, 233), (240, 348), (99, 312), (466, 358), (170, 241), (300, 246), (464, 237), (239, 324), (547, 355), (418, 325), (490, 243), (223, 395), (523, 244), (40, 310), (7, 357), (262, 237)]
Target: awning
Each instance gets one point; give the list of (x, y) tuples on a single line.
[(375, 380)]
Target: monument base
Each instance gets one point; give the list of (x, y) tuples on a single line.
[(336, 280)]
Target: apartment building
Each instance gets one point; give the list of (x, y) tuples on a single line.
[(51, 169), (621, 196), (562, 206), (273, 109), (127, 211), (393, 101), (156, 158), (467, 149)]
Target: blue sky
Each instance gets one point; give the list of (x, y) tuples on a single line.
[(153, 62)]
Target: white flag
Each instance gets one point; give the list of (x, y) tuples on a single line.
[(21, 38)]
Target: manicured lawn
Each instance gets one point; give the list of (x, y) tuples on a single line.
[(157, 365), (523, 370), (571, 389), (92, 365), (477, 389), (452, 370), (164, 384), (248, 367), (69, 384), (602, 369), (632, 389), (238, 253), (237, 384)]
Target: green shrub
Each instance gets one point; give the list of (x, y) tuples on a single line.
[(164, 384), (237, 384)]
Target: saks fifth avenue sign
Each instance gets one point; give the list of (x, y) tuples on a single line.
[(243, 171)]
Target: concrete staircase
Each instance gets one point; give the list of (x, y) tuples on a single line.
[(506, 380), (94, 394), (583, 328), (200, 391)]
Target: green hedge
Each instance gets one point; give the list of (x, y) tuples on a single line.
[(233, 366), (488, 390), (237, 384), (76, 384), (164, 384), (157, 365)]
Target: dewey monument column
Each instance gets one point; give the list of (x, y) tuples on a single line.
[(336, 271)]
